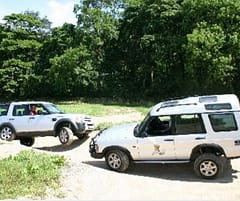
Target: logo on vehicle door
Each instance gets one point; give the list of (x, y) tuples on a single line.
[(157, 150)]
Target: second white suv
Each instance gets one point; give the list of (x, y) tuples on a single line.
[(17, 122), (204, 130)]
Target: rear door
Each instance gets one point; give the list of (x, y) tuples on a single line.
[(224, 131), (189, 132), (19, 117)]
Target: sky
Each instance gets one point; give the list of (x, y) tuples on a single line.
[(57, 11)]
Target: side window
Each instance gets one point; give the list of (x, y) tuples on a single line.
[(20, 110), (223, 122), (189, 124), (41, 110), (159, 125), (4, 109)]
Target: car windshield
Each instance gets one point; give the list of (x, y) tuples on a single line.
[(52, 109)]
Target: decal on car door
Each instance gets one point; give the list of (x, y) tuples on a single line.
[(157, 151)]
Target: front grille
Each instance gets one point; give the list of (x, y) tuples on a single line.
[(87, 119)]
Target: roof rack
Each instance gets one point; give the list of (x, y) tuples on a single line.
[(174, 105), (198, 103)]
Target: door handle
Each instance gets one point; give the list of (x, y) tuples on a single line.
[(200, 138), (168, 140), (11, 119), (31, 117)]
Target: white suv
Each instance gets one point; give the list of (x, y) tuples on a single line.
[(204, 130), (16, 122)]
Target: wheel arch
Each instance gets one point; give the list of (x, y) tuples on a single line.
[(207, 148), (9, 125), (107, 149), (64, 123)]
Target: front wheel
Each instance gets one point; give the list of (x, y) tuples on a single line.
[(208, 166), (117, 160), (7, 133), (65, 136)]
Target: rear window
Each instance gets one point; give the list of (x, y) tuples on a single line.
[(3, 109), (223, 122)]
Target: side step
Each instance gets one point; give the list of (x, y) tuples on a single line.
[(162, 161)]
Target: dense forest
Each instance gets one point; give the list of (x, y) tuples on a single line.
[(130, 49)]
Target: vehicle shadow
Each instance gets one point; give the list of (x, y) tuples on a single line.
[(176, 172), (61, 148)]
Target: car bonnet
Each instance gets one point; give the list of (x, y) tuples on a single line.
[(117, 133)]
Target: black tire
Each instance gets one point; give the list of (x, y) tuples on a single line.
[(7, 133), (28, 141), (209, 166), (117, 160), (65, 135)]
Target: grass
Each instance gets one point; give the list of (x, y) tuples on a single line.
[(100, 109), (29, 174), (110, 124)]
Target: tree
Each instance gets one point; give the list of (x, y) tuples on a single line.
[(72, 73), (150, 46), (212, 47), (19, 47), (98, 25), (59, 40), (208, 65)]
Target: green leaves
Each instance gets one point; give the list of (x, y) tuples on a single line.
[(72, 73), (210, 56), (19, 47), (152, 48)]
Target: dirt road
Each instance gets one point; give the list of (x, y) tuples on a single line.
[(89, 179)]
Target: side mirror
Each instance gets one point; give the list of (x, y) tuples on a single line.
[(144, 134)]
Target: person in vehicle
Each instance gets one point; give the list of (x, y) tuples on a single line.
[(33, 110), (158, 127)]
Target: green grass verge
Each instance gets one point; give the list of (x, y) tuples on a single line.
[(100, 109), (29, 174), (103, 125)]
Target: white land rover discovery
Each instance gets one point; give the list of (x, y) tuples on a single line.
[(204, 130)]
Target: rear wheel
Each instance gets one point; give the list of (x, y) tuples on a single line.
[(65, 136), (208, 166), (28, 141), (7, 133), (117, 160)]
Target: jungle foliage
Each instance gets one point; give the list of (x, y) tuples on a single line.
[(131, 49)]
